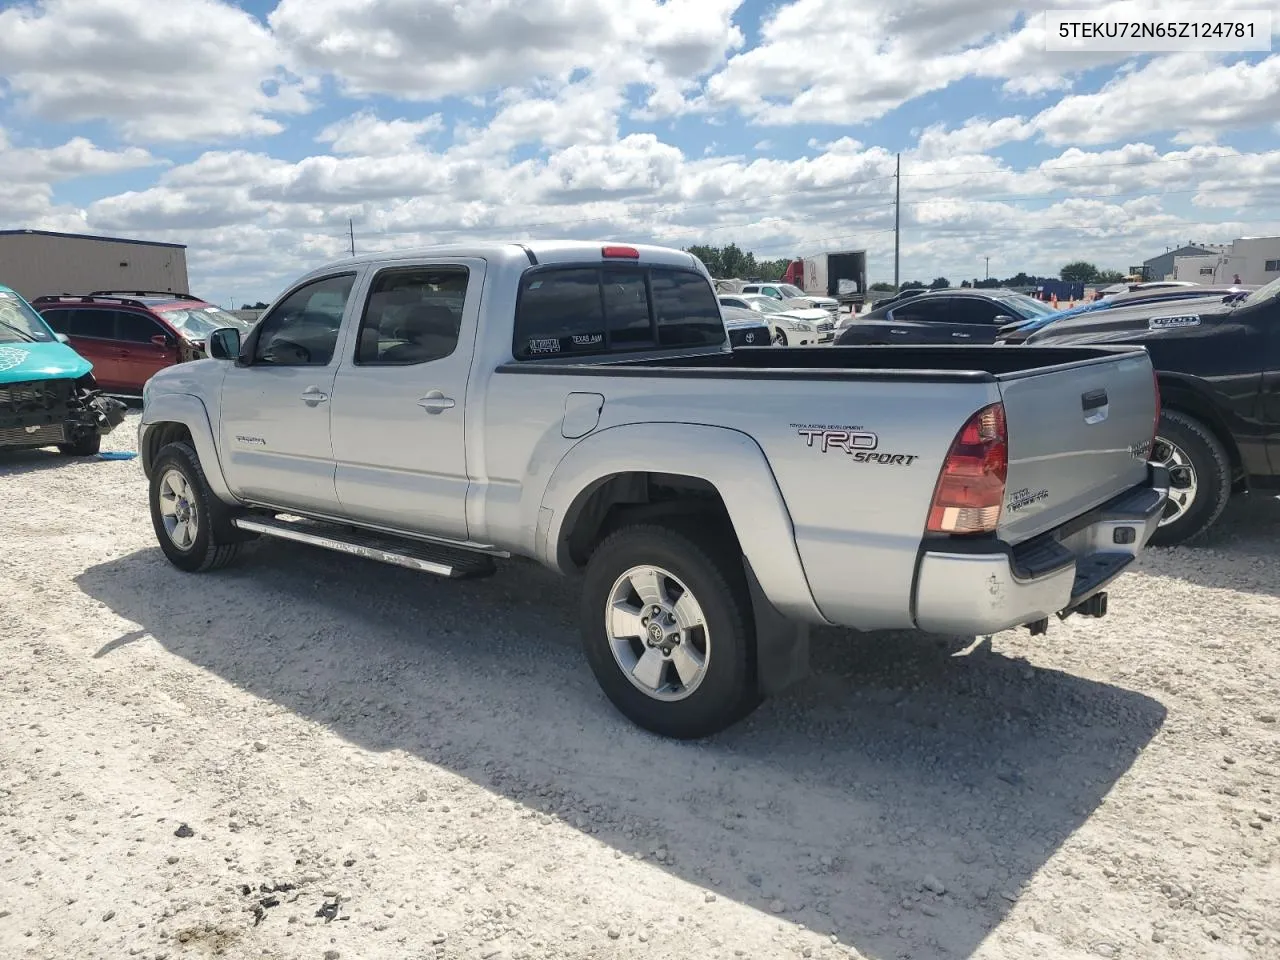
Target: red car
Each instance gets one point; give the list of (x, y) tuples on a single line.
[(130, 335)]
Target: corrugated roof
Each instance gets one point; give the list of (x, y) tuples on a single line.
[(90, 236)]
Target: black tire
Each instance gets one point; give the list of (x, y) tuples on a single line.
[(215, 543), (1212, 468), (86, 445), (780, 338), (714, 574)]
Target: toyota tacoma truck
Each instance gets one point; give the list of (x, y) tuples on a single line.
[(48, 396), (579, 404)]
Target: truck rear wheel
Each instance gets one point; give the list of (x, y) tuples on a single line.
[(1199, 477), (191, 523), (667, 630)]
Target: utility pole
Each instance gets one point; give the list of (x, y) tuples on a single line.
[(351, 230), (897, 219), (988, 259)]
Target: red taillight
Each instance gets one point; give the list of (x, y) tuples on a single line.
[(970, 490), (630, 253)]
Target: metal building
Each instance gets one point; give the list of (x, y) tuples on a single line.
[(1161, 267), (37, 263)]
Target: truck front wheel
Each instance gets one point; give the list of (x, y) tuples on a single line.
[(1199, 477), (189, 520), (667, 630)]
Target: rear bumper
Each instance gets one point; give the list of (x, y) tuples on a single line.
[(988, 586)]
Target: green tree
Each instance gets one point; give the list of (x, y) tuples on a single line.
[(881, 286), (912, 285), (1109, 276), (710, 257), (939, 283), (771, 271), (1079, 271)]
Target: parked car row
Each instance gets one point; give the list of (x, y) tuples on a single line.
[(65, 359), (788, 326)]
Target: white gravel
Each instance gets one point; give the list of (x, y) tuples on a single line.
[(427, 769)]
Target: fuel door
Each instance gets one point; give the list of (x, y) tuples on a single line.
[(581, 414)]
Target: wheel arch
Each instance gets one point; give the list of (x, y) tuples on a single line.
[(655, 470), (182, 417), (1186, 397)]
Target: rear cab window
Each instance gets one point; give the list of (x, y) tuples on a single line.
[(580, 310)]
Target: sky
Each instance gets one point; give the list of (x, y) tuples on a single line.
[(254, 132)]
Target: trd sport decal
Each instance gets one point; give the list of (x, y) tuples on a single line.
[(862, 445)]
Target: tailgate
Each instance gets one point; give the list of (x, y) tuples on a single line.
[(1079, 434)]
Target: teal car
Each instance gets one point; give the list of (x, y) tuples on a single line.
[(48, 397)]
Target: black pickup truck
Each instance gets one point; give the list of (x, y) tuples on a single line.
[(1218, 364)]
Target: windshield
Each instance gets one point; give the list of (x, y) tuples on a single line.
[(19, 323), (198, 322), (790, 290), (1027, 306), (767, 305), (1262, 294)]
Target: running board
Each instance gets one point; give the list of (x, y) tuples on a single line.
[(426, 558)]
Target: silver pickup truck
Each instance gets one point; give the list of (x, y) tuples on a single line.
[(580, 405)]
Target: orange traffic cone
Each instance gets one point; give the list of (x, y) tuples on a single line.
[(1054, 301)]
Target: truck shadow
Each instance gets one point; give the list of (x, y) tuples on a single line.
[(906, 766), (15, 463), (1231, 554)]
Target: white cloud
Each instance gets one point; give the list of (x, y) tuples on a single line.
[(260, 217), (78, 157), (1194, 94), (563, 151), (178, 70), (585, 112), (363, 134), (427, 49), (875, 56)]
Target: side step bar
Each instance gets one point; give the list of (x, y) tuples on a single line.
[(426, 558)]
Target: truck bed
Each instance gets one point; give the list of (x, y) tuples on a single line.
[(1077, 421)]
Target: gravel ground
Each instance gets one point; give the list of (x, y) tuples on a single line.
[(307, 756)]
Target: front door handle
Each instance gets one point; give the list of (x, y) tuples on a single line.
[(900, 333), (313, 395), (436, 402), (964, 335)]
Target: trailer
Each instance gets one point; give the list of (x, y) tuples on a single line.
[(840, 274)]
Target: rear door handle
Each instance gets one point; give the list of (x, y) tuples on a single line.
[(900, 333), (964, 335), (313, 395), (1095, 406), (436, 402)]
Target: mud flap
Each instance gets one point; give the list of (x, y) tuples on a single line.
[(782, 645)]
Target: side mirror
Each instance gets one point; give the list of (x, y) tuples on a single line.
[(160, 340), (224, 344), (1002, 319), (62, 338)]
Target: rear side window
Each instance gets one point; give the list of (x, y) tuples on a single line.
[(136, 328), (593, 310), (93, 323)]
